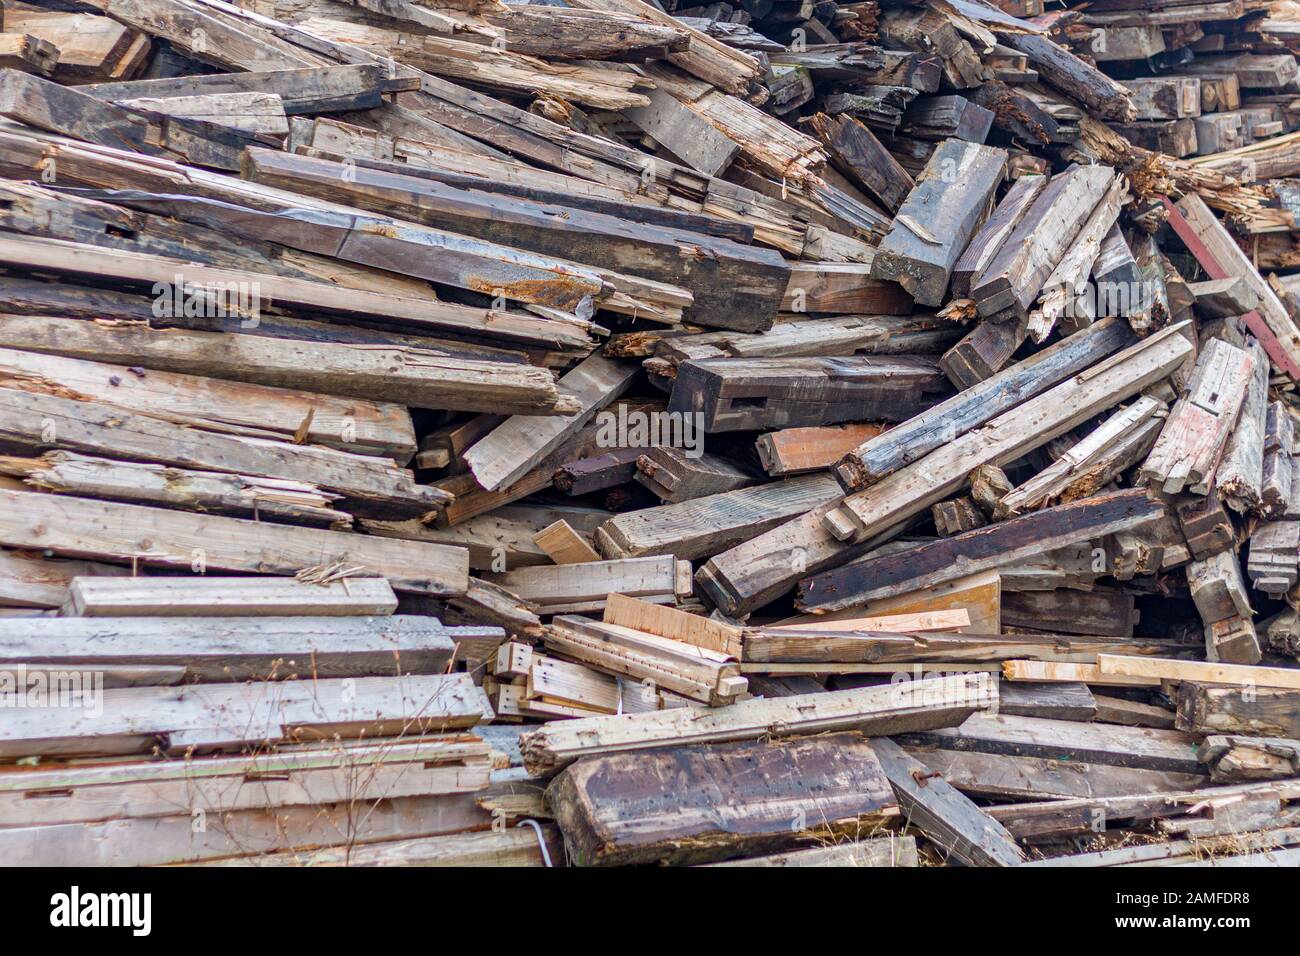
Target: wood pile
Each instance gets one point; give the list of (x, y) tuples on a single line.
[(545, 426)]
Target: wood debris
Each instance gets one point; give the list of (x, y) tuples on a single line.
[(878, 417)]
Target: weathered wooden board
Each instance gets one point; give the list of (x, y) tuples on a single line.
[(1137, 747), (86, 528), (1002, 777), (1007, 437), (942, 813), (948, 420), (1257, 711), (875, 711), (222, 649), (313, 775), (889, 850), (231, 716), (705, 526), (932, 227), (216, 596)]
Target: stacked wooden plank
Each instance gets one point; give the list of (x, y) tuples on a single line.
[(877, 417)]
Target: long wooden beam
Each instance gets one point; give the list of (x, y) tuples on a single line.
[(83, 527)]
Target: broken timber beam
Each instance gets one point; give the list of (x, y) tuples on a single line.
[(947, 558)]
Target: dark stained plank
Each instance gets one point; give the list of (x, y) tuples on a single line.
[(740, 394), (947, 558), (662, 806)]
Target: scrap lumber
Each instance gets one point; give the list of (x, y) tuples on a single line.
[(889, 851), (1240, 476), (230, 716), (413, 310), (85, 528), (1069, 671), (698, 673), (521, 442), (598, 472), (1194, 436), (1198, 671), (1221, 258), (214, 596), (625, 809), (28, 53), (356, 425), (420, 378), (1278, 481), (678, 475), (943, 814), (979, 594), (1165, 98), (702, 527), (246, 834), (1234, 759), (831, 335), (1057, 819), (202, 282), (31, 580), (793, 451), (833, 650), (734, 285), (732, 394), (571, 588), (669, 622), (139, 789), (856, 152), (875, 711), (921, 434), (1010, 435), (841, 287), (687, 135), (220, 649), (1063, 294), (328, 89), (1250, 710), (938, 218), (994, 233), (1135, 747), (1222, 298), (1274, 560), (1218, 590), (1062, 701), (1060, 68), (1092, 463), (1101, 612), (491, 848), (1006, 777), (1016, 275), (1132, 713), (34, 422), (563, 545), (765, 567), (89, 47)]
